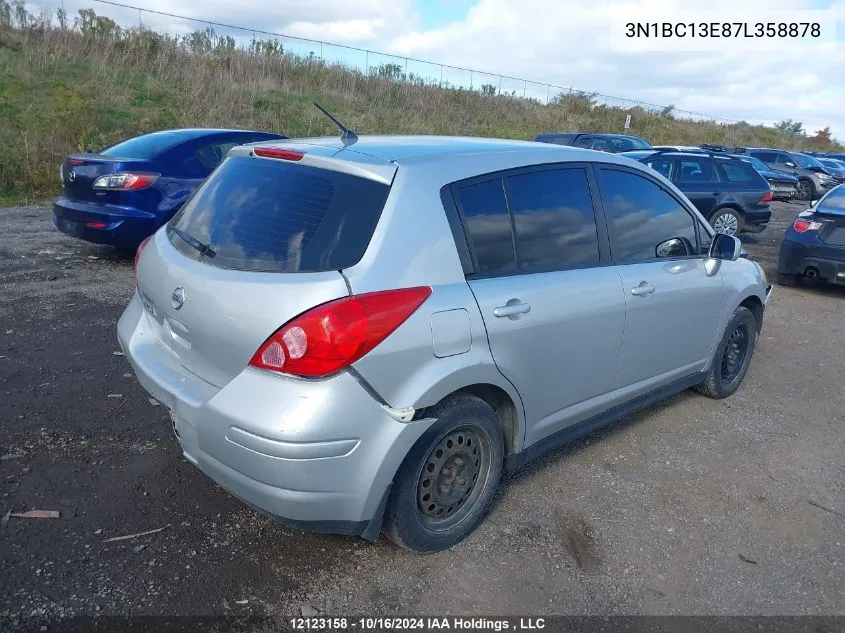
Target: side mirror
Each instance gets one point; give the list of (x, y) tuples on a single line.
[(813, 203), (722, 248), (789, 164), (725, 248), (673, 247)]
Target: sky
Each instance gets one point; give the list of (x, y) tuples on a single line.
[(561, 42)]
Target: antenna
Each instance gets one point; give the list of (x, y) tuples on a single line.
[(347, 136)]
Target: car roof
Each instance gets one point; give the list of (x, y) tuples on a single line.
[(443, 158), (642, 153), (419, 149), (192, 133)]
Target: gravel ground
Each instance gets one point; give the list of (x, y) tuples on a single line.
[(694, 506)]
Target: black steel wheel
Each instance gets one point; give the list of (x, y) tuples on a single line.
[(445, 485), (448, 481), (733, 355)]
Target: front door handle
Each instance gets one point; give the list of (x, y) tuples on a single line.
[(643, 289), (512, 308)]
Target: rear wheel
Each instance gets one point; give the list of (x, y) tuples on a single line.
[(733, 355), (806, 190), (726, 221), (446, 484)]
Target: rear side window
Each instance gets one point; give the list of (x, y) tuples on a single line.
[(554, 220), (645, 222), (733, 172), (144, 147), (275, 216), (584, 141), (693, 170), (212, 154), (488, 225)]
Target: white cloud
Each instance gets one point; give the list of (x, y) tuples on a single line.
[(567, 44)]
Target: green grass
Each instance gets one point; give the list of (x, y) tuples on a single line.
[(65, 90)]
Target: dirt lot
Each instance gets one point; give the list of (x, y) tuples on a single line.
[(695, 506)]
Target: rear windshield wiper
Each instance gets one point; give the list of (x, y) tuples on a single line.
[(204, 249)]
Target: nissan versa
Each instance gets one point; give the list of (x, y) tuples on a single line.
[(359, 335)]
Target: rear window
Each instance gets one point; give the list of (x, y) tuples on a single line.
[(275, 216), (144, 147), (834, 202)]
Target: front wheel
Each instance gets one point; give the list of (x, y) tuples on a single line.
[(733, 356), (445, 485), (726, 221), (806, 190)]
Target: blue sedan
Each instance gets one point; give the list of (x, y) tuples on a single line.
[(124, 192)]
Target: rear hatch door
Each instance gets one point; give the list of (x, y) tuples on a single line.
[(262, 241)]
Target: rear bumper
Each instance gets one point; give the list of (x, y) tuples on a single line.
[(124, 227), (828, 262), (318, 455)]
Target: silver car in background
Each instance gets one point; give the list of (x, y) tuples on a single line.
[(359, 338)]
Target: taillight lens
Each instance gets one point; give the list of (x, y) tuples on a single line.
[(802, 226), (332, 336), (278, 152), (140, 250), (767, 197), (125, 180)]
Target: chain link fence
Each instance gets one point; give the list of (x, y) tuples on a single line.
[(368, 62)]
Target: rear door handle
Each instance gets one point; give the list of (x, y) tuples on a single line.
[(643, 289), (512, 308)]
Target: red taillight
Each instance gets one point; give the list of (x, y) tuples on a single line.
[(278, 152), (332, 336), (125, 180), (802, 226), (767, 197), (95, 225), (140, 250)]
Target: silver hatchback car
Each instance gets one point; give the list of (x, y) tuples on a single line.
[(358, 338)]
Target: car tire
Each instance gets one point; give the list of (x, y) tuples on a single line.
[(806, 190), (726, 220), (790, 281), (732, 357), (446, 484)]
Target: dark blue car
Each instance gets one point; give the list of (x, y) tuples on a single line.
[(814, 245), (124, 192)]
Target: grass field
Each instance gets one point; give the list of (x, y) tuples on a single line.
[(84, 83)]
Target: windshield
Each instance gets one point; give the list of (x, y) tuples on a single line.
[(636, 143), (805, 162), (755, 163), (830, 163)]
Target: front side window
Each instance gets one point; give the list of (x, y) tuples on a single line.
[(554, 219), (645, 222)]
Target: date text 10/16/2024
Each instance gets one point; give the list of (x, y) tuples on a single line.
[(452, 623)]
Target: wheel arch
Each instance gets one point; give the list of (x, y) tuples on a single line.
[(507, 410)]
